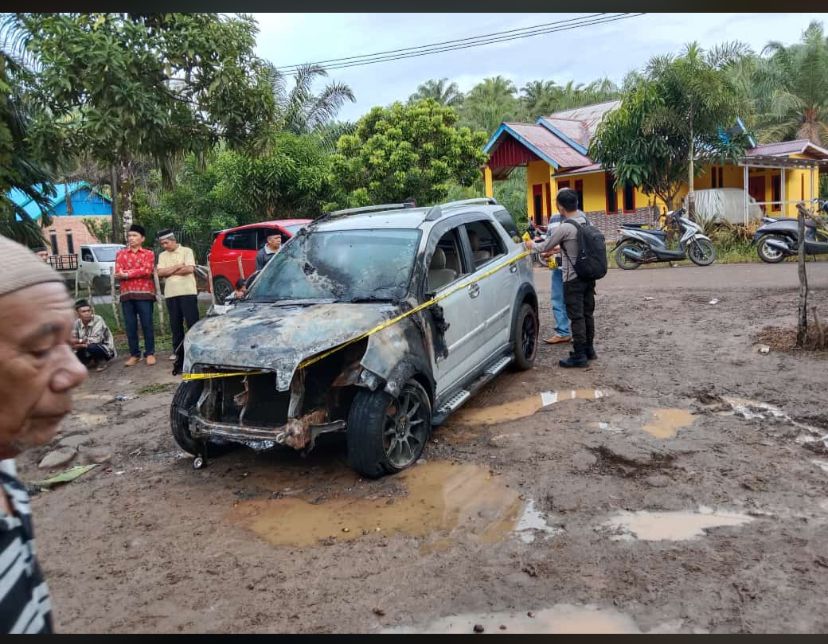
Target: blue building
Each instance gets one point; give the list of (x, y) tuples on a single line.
[(72, 203)]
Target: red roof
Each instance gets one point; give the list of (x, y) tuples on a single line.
[(785, 148), (549, 145)]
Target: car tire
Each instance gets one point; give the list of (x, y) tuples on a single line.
[(184, 400), (379, 440), (525, 338), (221, 289)]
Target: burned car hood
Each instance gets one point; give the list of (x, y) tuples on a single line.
[(266, 336)]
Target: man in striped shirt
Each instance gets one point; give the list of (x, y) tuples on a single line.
[(38, 371)]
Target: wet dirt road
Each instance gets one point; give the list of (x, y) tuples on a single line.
[(691, 495)]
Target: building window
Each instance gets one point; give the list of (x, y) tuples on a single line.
[(54, 242), (612, 195), (579, 188), (721, 177), (70, 243), (629, 197), (776, 192)]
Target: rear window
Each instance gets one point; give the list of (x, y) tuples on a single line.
[(505, 219), (241, 239)]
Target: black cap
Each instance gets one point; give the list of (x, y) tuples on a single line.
[(137, 228), (79, 304), (166, 232)]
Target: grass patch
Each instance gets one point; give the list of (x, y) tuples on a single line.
[(155, 388)]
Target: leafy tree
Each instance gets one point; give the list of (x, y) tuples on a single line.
[(489, 103), (406, 151), (291, 180), (669, 124), (22, 168), (791, 89), (540, 97), (298, 109), (126, 87), (441, 90)]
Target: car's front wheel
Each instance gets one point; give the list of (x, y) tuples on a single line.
[(183, 402), (387, 434), (525, 338)]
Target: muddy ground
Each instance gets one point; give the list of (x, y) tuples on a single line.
[(666, 502)]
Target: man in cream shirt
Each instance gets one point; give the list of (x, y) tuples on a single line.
[(177, 265)]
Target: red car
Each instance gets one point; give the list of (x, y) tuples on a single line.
[(243, 242)]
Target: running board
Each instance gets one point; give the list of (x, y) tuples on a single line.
[(459, 398)]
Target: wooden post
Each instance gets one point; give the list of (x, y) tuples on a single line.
[(241, 268), (158, 297), (115, 297), (210, 284), (802, 325)]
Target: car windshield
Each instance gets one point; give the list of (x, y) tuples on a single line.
[(293, 228), (343, 265), (106, 253)]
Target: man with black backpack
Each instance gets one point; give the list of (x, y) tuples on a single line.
[(584, 259)]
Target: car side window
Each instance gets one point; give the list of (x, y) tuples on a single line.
[(486, 244), (86, 255), (264, 233), (505, 219), (241, 240), (446, 262)]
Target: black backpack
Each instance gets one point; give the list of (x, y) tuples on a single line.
[(591, 262)]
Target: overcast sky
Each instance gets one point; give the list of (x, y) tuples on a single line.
[(582, 54)]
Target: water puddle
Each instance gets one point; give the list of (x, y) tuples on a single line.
[(757, 410), (665, 423), (523, 407), (561, 618), (441, 498), (532, 523), (823, 465), (671, 526)]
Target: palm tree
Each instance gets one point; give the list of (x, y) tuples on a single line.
[(442, 91), (540, 97), (796, 81), (489, 103), (298, 109)]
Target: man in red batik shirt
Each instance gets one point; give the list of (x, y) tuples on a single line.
[(134, 267)]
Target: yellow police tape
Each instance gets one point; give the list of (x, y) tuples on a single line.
[(384, 325)]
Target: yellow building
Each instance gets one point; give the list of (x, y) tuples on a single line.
[(554, 152)]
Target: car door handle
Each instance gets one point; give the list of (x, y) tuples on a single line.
[(513, 268), (474, 290)]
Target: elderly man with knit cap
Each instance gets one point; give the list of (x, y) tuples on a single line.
[(134, 267), (38, 371)]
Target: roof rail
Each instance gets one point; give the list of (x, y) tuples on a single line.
[(377, 208), (435, 212)]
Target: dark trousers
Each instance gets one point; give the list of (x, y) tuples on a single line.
[(135, 310), (92, 352), (579, 297), (183, 308)]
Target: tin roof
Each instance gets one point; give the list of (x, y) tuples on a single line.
[(785, 148)]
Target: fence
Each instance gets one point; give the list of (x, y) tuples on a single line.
[(609, 223)]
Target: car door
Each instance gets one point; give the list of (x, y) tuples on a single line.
[(239, 245), (86, 265), (449, 278), (496, 278)]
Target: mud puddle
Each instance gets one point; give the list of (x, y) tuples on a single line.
[(532, 524), (561, 618), (442, 500), (665, 423), (758, 410), (671, 526), (522, 407)]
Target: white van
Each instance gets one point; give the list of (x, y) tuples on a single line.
[(94, 265)]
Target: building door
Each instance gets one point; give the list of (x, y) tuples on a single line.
[(756, 189), (579, 188), (537, 203)]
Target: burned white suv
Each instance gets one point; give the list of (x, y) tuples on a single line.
[(377, 322)]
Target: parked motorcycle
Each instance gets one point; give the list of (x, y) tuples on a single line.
[(778, 238), (637, 245)]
